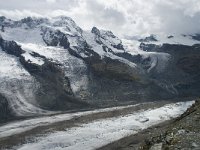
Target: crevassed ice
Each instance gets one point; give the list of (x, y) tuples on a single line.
[(18, 86), (98, 133)]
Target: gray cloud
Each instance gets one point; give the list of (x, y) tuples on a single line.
[(38, 5), (124, 17), (104, 17), (178, 17)]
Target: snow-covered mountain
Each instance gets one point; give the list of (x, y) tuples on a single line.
[(52, 65)]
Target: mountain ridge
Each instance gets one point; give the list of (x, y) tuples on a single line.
[(57, 66)]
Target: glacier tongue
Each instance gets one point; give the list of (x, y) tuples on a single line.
[(98, 133), (18, 86)]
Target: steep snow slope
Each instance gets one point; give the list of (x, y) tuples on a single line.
[(67, 25), (18, 86), (104, 46)]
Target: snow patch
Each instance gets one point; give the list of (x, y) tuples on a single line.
[(36, 60)]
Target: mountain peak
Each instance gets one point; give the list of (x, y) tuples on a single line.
[(96, 31), (58, 47)]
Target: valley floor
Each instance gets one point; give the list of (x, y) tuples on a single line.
[(89, 129)]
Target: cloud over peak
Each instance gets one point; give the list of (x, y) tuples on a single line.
[(130, 17)]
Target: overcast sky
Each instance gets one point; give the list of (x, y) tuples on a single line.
[(123, 17)]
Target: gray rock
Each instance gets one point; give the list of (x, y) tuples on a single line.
[(157, 146), (194, 145)]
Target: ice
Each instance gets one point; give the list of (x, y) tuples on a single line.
[(25, 125), (10, 67), (18, 86), (158, 59), (98, 133)]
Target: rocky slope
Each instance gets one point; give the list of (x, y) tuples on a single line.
[(51, 65), (179, 133), (183, 133)]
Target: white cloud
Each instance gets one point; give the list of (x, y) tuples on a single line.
[(51, 1), (18, 14), (123, 17)]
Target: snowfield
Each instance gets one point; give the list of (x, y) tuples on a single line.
[(94, 134), (176, 39)]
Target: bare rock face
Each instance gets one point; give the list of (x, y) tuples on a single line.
[(5, 111), (115, 69), (190, 64), (54, 92), (55, 38), (11, 47), (148, 39)]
